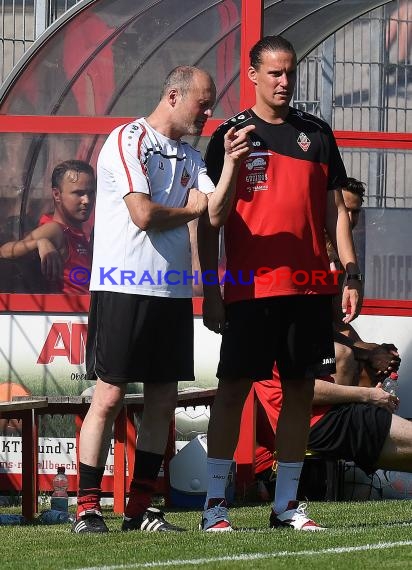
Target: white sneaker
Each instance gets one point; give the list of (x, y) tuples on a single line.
[(216, 518), (294, 517)]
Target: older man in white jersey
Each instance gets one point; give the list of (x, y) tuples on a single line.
[(150, 185)]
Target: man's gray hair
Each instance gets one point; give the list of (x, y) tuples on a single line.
[(180, 78)]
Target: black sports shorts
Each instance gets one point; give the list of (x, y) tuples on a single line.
[(354, 432), (296, 331), (137, 338)]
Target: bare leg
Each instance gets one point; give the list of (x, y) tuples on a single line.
[(96, 430), (291, 440), (222, 438), (396, 453), (159, 406), (225, 414), (293, 425)]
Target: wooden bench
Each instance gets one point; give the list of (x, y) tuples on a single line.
[(27, 411), (124, 435)]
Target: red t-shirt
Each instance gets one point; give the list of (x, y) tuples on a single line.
[(274, 236), (79, 256), (269, 394)]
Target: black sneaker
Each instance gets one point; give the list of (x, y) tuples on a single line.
[(90, 521), (151, 520)]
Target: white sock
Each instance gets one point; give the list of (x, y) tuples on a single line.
[(287, 482), (217, 475)]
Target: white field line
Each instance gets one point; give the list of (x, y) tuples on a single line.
[(251, 557)]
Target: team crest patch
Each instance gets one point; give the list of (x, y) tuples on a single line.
[(80, 249), (303, 142), (185, 177)]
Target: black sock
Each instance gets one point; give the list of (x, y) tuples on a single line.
[(90, 479), (147, 465)]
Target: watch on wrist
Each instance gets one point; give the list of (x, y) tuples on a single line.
[(354, 276)]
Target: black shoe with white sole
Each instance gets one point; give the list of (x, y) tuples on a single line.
[(90, 521), (152, 520)]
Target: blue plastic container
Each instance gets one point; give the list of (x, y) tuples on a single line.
[(13, 520), (53, 516)]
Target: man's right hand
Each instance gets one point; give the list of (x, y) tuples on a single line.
[(378, 397), (237, 144), (196, 202), (51, 260)]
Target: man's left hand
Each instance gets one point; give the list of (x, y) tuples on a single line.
[(352, 298), (381, 361)]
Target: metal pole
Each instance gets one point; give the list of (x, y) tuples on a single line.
[(251, 32), (40, 17), (326, 98), (375, 123), (52, 11)]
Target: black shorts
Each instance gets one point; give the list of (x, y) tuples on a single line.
[(354, 432), (137, 338), (295, 331)]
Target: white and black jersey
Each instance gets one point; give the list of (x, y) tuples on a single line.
[(136, 158)]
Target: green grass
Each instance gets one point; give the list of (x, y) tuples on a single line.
[(351, 527)]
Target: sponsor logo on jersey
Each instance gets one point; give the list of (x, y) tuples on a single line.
[(235, 119), (185, 177), (257, 177), (328, 361), (303, 142), (257, 163)]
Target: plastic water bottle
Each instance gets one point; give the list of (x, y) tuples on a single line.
[(60, 499), (390, 384)]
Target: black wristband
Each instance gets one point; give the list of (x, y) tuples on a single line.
[(354, 276)]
